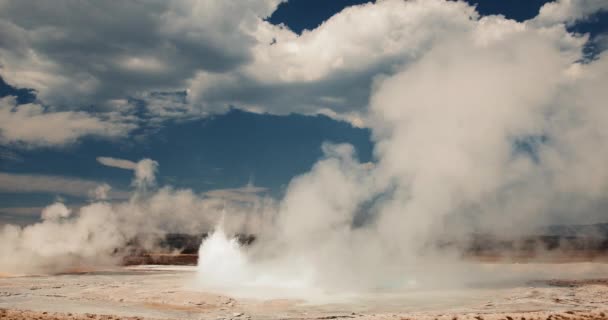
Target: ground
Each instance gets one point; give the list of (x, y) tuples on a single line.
[(163, 292)]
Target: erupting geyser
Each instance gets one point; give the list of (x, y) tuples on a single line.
[(221, 261), (225, 266)]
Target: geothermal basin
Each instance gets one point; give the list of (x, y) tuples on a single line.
[(173, 292)]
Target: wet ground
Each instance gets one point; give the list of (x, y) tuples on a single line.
[(173, 293)]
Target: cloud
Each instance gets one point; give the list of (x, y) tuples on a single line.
[(178, 59), (332, 67), (117, 163), (568, 11), (20, 215), (32, 125), (26, 183), (146, 46)]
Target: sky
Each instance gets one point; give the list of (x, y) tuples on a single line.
[(226, 95)]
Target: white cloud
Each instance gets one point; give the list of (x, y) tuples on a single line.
[(146, 46), (568, 11), (31, 124), (344, 43), (333, 66), (333, 69), (196, 58)]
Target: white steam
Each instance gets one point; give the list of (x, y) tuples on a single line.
[(498, 127), (55, 211), (145, 173), (144, 170), (58, 244), (98, 233), (101, 192), (221, 261)]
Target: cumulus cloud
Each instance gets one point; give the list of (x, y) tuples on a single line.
[(147, 46), (32, 125), (568, 11), (333, 66), (179, 59)]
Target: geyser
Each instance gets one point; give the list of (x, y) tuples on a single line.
[(221, 262), (224, 265)]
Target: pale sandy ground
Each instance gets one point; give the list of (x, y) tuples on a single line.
[(173, 293)]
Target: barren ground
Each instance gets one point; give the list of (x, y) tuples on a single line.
[(172, 293)]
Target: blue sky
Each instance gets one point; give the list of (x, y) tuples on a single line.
[(299, 15), (193, 105)]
